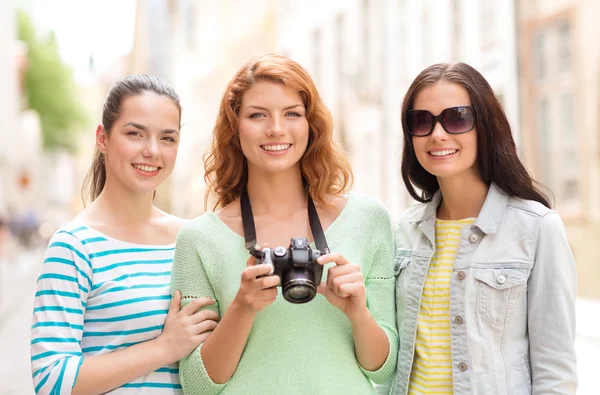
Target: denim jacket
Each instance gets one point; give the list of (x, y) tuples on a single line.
[(512, 298)]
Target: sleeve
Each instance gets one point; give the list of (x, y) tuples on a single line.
[(59, 306), (380, 288), (551, 311), (189, 277)]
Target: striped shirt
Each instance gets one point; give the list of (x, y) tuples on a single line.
[(95, 295), (432, 366)]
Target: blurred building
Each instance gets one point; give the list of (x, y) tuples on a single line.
[(197, 46), (560, 90), (9, 99), (20, 151), (364, 54)]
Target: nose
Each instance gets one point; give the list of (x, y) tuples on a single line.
[(275, 127), (439, 133), (151, 149)]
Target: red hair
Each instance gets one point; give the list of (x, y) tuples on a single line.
[(324, 167)]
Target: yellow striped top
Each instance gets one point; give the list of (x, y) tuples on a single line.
[(431, 372)]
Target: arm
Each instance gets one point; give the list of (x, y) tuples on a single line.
[(207, 369), (58, 322), (368, 304), (551, 311), (184, 330)]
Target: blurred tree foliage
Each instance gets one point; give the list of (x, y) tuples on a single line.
[(50, 88)]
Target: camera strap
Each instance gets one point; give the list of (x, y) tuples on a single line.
[(250, 230)]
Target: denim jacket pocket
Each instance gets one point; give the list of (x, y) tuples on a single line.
[(498, 290)]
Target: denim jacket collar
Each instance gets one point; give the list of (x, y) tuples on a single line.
[(489, 217)]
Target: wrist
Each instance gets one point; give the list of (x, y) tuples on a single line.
[(359, 316), (162, 351), (241, 310)]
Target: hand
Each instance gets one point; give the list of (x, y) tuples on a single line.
[(257, 288), (187, 328), (345, 286)]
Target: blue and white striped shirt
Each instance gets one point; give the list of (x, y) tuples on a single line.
[(95, 295)]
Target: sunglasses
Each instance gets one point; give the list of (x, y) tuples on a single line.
[(454, 120)]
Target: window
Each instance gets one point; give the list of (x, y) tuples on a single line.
[(545, 142), (540, 58), (564, 47)]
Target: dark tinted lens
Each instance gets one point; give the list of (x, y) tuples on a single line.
[(458, 119), (419, 122)]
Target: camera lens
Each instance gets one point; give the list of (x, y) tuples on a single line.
[(299, 287), (299, 292)]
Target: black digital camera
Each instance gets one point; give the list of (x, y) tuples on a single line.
[(297, 268)]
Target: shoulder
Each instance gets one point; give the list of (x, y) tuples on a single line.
[(531, 206), (543, 218), (203, 226), (169, 223), (71, 233), (367, 205), (412, 214)]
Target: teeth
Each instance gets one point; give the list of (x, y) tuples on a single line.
[(443, 153), (278, 147), (145, 168)]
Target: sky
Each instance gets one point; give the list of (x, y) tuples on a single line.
[(102, 29)]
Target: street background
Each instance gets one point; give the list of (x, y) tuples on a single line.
[(59, 58)]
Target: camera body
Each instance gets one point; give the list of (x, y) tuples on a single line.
[(297, 268)]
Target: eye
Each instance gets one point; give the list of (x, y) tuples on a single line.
[(169, 139), (134, 133), (257, 115), (294, 114)]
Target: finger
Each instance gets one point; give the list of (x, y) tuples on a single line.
[(251, 272), (351, 289), (197, 303), (175, 303), (199, 339), (268, 282), (333, 257), (207, 325), (204, 315), (335, 271), (267, 295), (324, 290), (335, 284)]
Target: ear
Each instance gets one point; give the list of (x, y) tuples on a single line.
[(101, 138)]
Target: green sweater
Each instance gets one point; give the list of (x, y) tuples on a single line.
[(291, 349)]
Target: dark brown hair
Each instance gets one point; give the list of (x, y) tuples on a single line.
[(497, 159), (324, 167), (131, 85)]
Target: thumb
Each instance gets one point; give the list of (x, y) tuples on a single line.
[(175, 303), (324, 290)]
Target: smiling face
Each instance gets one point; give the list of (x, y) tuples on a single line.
[(141, 149), (273, 128), (442, 154)]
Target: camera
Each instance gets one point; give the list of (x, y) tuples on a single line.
[(297, 268)]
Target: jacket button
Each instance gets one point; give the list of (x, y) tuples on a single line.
[(460, 275), (458, 319), (462, 366), (473, 238), (501, 279)]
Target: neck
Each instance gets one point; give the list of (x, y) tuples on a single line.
[(279, 194), (121, 206), (462, 197)]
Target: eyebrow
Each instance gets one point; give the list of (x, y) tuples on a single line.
[(142, 127), (287, 108)]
